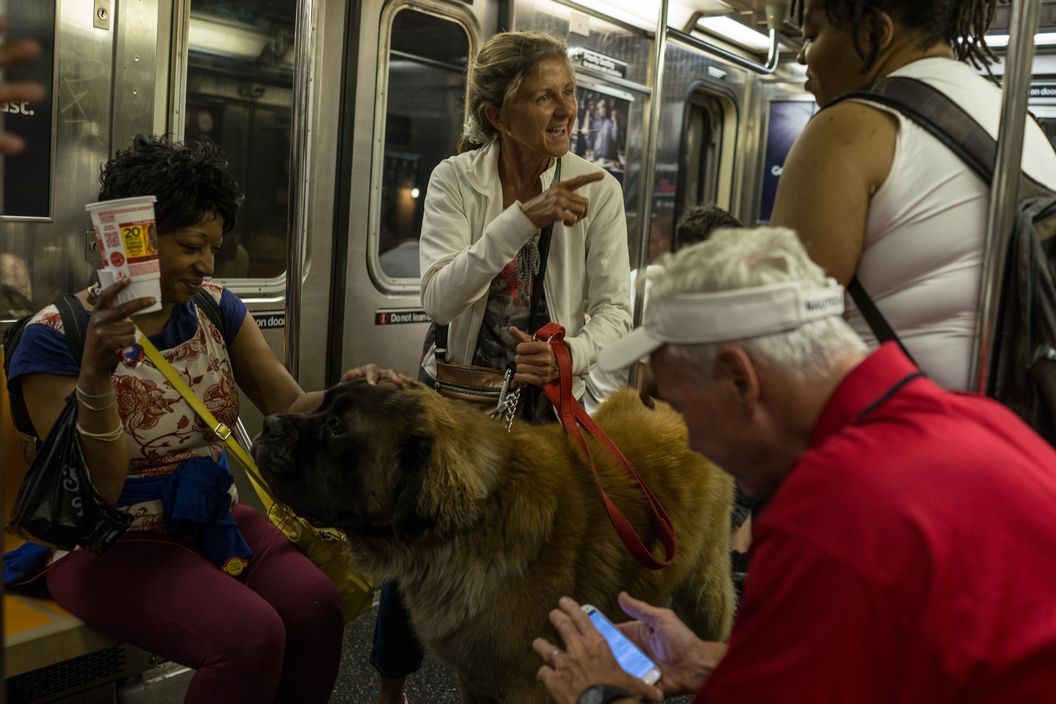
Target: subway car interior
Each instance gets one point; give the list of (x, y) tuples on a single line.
[(332, 115)]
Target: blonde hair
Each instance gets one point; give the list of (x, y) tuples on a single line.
[(496, 76)]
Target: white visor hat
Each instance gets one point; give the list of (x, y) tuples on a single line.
[(723, 316)]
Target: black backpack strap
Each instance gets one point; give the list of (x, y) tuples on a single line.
[(943, 119), (74, 324), (204, 300), (876, 320)]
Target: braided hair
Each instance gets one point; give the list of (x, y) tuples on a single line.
[(961, 24)]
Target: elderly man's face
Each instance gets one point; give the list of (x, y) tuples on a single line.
[(719, 426)]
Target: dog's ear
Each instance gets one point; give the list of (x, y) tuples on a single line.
[(411, 465)]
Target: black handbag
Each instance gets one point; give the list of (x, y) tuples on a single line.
[(57, 504)]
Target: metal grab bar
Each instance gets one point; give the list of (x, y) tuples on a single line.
[(298, 204), (1005, 188), (775, 15), (769, 67)]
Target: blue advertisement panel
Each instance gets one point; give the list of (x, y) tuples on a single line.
[(787, 120), (27, 176)]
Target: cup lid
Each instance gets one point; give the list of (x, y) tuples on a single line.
[(120, 202)]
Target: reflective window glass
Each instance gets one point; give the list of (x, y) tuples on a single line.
[(240, 95), (426, 92)]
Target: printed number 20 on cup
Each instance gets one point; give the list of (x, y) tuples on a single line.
[(126, 233)]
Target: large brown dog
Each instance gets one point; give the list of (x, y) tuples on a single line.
[(485, 530)]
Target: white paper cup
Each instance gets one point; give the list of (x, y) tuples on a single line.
[(127, 236)]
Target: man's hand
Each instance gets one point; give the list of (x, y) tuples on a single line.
[(585, 660), (685, 661)]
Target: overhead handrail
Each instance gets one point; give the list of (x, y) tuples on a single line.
[(775, 15), (1005, 187)]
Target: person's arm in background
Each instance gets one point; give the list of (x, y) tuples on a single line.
[(14, 52), (269, 385), (842, 157)]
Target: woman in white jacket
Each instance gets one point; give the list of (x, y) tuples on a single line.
[(485, 208), (484, 211)]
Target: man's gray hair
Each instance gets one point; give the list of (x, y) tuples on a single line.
[(743, 258)]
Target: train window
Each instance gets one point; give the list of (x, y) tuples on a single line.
[(704, 132), (240, 95), (423, 115)]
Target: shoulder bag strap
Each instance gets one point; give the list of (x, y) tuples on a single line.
[(875, 319), (204, 300), (72, 313), (945, 120), (219, 429), (572, 416)]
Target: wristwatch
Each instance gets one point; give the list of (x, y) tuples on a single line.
[(604, 694)]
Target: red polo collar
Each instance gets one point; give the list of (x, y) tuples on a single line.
[(882, 374)]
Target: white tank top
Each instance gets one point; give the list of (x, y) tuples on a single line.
[(922, 258)]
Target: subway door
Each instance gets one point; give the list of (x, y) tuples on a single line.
[(406, 118), (233, 81), (700, 144)]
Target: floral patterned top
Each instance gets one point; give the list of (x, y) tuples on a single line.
[(161, 429)]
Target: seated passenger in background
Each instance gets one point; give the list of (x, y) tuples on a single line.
[(274, 631), (908, 553), (874, 195), (696, 225)]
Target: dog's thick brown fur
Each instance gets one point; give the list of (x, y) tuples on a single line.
[(485, 530)]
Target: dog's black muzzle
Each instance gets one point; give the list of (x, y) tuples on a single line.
[(274, 449)]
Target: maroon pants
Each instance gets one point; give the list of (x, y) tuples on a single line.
[(274, 634)]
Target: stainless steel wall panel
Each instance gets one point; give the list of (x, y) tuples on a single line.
[(135, 103), (51, 254)]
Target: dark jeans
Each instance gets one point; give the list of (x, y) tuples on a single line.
[(397, 652)]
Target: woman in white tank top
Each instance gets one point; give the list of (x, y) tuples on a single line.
[(872, 193)]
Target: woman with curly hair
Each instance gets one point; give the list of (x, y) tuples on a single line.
[(874, 195), (227, 595)]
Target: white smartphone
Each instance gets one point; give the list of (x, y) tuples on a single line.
[(628, 655)]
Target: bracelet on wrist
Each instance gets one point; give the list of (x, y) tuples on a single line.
[(109, 436), (84, 394), (90, 407)]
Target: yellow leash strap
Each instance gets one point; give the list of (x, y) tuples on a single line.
[(219, 429)]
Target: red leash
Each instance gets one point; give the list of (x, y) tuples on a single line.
[(572, 416)]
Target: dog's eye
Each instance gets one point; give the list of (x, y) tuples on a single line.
[(335, 428)]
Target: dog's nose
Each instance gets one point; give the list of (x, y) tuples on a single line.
[(275, 426)]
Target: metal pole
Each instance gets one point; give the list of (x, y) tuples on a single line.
[(296, 227), (1004, 189), (650, 137)]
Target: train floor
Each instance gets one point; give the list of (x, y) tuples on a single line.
[(357, 683)]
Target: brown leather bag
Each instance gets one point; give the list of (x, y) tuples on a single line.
[(480, 386), (485, 387)]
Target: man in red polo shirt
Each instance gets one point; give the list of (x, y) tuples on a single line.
[(908, 553)]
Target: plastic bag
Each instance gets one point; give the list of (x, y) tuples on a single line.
[(57, 504)]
